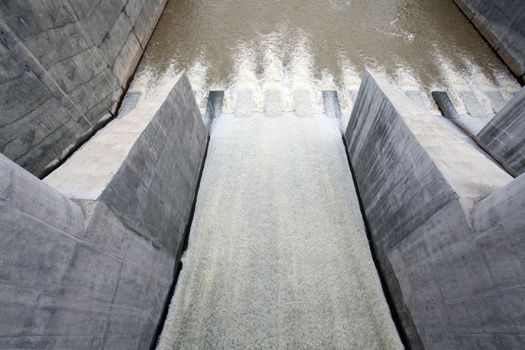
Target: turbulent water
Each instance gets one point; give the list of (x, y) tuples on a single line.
[(289, 270), (315, 45)]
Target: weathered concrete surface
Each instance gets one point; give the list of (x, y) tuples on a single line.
[(420, 186), (94, 271), (504, 135), (63, 67), (502, 23), (144, 166), (278, 256), (72, 279)]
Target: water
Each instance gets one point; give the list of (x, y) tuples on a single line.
[(311, 45), (278, 256)]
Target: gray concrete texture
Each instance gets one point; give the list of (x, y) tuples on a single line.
[(64, 65), (504, 135), (446, 222), (88, 255), (502, 23)]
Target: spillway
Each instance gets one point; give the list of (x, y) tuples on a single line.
[(278, 256), (247, 174)]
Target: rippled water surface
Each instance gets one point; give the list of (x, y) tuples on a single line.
[(324, 44)]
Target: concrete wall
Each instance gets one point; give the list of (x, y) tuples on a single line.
[(88, 255), (502, 23), (446, 222), (504, 135), (64, 65)]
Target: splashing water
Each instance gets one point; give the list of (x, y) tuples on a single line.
[(269, 55)]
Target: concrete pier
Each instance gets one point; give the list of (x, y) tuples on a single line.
[(447, 223), (278, 256), (88, 256)]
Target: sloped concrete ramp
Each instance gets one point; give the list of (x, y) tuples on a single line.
[(278, 256)]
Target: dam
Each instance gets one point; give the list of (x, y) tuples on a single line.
[(197, 174)]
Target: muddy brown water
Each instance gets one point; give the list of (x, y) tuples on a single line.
[(424, 39)]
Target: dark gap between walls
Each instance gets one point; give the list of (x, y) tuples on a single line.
[(180, 252)]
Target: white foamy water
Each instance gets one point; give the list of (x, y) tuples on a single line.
[(290, 270), (268, 78), (256, 80)]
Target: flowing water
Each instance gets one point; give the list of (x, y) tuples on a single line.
[(278, 257), (320, 45)]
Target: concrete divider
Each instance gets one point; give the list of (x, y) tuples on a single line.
[(88, 255), (445, 228)]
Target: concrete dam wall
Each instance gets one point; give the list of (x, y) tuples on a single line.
[(89, 255), (64, 65), (502, 23)]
